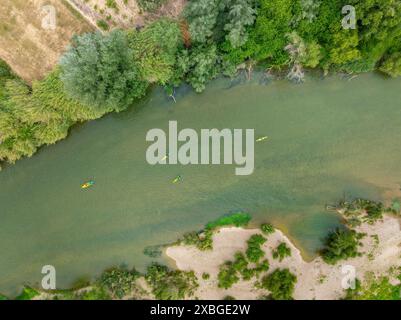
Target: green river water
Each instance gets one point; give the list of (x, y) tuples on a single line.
[(327, 138)]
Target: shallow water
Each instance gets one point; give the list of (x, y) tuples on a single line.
[(327, 139)]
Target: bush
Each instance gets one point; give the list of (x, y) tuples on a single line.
[(170, 284), (95, 293), (117, 281), (262, 266), (254, 252), (227, 276), (392, 65), (150, 5), (280, 283), (379, 288), (102, 24), (27, 293), (205, 276), (100, 71), (281, 251), (267, 228), (341, 245), (203, 240)]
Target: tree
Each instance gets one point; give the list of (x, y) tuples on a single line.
[(392, 65), (241, 15), (202, 16), (281, 251), (254, 253), (220, 19), (154, 49), (268, 37), (100, 71), (201, 65), (341, 245), (280, 283), (379, 25)]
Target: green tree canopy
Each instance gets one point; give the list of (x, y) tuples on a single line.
[(100, 71), (154, 49)]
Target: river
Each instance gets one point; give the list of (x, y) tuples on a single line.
[(328, 138)]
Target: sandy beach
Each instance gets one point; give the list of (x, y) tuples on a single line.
[(316, 279)]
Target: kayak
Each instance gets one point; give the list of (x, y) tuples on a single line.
[(177, 178), (261, 138), (88, 184)]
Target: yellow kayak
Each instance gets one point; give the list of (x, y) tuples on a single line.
[(262, 138), (88, 184)]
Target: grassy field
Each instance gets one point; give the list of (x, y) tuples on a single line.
[(25, 45)]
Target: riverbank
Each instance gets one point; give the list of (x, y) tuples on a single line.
[(226, 268), (380, 249)]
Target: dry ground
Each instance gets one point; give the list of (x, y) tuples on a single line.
[(25, 45), (32, 51), (126, 14)]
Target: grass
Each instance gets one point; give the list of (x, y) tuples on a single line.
[(238, 219), (375, 289), (27, 293), (203, 239)]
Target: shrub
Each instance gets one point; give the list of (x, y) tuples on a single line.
[(379, 288), (100, 71), (281, 251), (117, 281), (203, 240), (267, 228), (341, 245), (205, 276), (102, 24), (392, 65), (254, 252), (150, 5), (170, 284), (27, 293), (280, 283), (95, 293), (262, 266), (227, 276)]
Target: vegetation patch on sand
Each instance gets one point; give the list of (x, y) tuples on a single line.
[(203, 239), (231, 273), (248, 264)]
